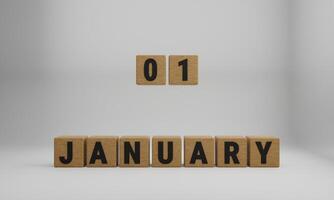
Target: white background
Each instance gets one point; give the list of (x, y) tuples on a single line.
[(68, 67)]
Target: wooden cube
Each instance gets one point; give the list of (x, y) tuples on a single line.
[(69, 151), (199, 151), (166, 151), (134, 151), (231, 151), (183, 70), (151, 70), (102, 151), (263, 151)]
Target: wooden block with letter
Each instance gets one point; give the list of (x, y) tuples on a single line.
[(263, 151), (199, 151), (183, 70), (231, 151), (166, 151), (69, 151), (151, 69), (102, 151), (134, 151)]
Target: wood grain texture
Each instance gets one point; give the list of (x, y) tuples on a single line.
[(161, 70), (175, 161), (176, 70), (241, 155), (78, 144), (109, 148), (144, 151), (208, 144), (273, 155)]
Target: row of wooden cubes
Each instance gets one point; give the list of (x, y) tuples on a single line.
[(134, 151), (151, 70)]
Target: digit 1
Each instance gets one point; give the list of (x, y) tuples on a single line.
[(154, 74), (184, 64)]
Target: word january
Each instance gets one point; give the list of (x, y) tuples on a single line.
[(134, 151)]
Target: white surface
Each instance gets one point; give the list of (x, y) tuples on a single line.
[(313, 75), (68, 67), (28, 174)]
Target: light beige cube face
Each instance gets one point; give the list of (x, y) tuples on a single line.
[(69, 151), (166, 151), (102, 151), (151, 70), (231, 151), (134, 151), (263, 151), (183, 70), (199, 151)]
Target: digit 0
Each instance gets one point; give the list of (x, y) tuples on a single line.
[(150, 64)]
